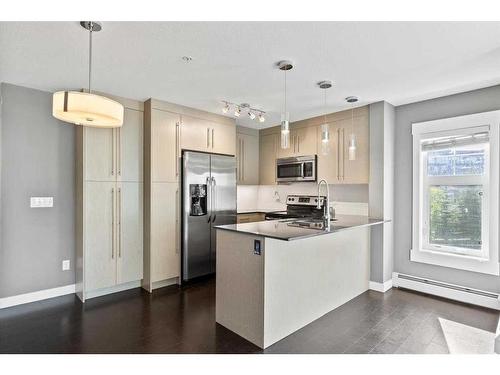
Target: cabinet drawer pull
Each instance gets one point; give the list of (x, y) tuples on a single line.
[(208, 137)]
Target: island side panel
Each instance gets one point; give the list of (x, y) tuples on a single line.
[(305, 279), (239, 302)]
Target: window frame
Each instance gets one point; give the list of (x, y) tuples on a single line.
[(456, 257)]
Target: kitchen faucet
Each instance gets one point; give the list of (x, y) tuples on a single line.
[(326, 205)]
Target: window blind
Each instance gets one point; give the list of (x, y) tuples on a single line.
[(455, 141)]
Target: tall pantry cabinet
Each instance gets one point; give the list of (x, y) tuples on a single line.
[(110, 205), (169, 129)]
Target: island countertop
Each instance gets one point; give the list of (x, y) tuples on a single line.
[(288, 229)]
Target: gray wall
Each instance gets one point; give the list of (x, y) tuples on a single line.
[(487, 99), (381, 189), (38, 158)]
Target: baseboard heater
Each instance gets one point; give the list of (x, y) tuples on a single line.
[(446, 290)]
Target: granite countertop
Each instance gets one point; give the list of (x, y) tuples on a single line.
[(257, 210), (296, 229)]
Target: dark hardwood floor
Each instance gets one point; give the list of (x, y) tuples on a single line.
[(182, 320)]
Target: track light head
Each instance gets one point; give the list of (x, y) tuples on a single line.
[(251, 115), (237, 112), (225, 109), (262, 118)]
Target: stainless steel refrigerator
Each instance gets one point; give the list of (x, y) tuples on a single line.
[(208, 199)]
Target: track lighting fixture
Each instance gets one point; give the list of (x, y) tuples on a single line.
[(253, 113)]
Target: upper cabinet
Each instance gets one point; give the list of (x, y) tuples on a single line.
[(208, 135), (335, 167), (165, 145), (247, 156), (115, 154), (305, 139), (302, 142), (268, 152)]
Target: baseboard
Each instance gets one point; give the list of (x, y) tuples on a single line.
[(113, 289), (36, 296), (380, 287), (446, 290), (164, 283)]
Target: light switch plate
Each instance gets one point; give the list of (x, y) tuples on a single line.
[(37, 202), (65, 265)]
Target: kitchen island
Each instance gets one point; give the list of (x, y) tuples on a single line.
[(275, 277)]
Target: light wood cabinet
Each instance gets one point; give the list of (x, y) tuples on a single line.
[(336, 167), (115, 154), (129, 231), (165, 231), (110, 205), (247, 158), (302, 143), (100, 235), (268, 151), (165, 146), (207, 136), (250, 217)]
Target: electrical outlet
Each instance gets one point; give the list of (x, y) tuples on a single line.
[(65, 265)]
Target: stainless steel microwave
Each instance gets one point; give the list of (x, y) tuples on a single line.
[(300, 168)]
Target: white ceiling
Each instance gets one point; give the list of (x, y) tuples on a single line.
[(398, 62)]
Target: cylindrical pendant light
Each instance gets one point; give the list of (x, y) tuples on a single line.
[(352, 136), (325, 127), (85, 108), (285, 115)]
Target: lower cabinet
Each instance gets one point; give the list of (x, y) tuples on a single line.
[(113, 249), (165, 231)]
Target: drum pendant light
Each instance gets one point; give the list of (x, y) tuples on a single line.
[(86, 108)]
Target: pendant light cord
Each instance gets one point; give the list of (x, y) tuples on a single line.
[(90, 56)]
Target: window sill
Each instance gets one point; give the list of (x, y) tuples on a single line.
[(457, 261)]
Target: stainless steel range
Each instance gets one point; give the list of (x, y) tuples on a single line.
[(300, 207)]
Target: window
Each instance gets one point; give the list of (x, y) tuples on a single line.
[(455, 184)]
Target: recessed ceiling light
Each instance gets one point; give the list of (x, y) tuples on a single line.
[(187, 58)]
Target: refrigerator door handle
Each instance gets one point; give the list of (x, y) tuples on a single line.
[(209, 193), (214, 197)]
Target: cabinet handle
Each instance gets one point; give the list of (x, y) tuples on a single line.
[(338, 154), (298, 144), (112, 152), (208, 137), (119, 222), (243, 160), (343, 153), (177, 221), (177, 149), (212, 138), (112, 223), (119, 158)]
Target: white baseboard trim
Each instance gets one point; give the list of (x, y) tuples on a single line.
[(447, 290), (113, 289), (380, 287), (164, 283), (36, 296)]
